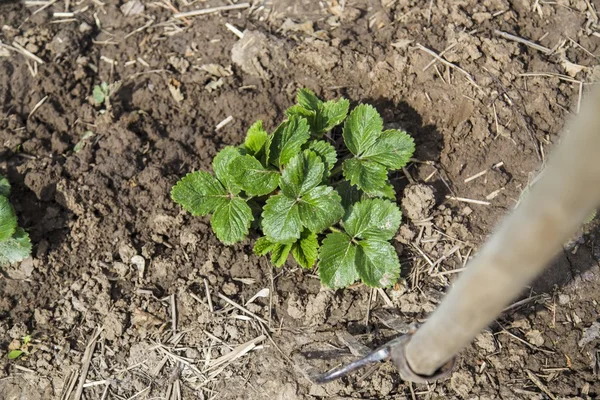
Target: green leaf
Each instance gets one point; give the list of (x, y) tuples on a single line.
[(265, 155), (14, 354), (263, 246), (377, 263), (231, 220), (288, 138), (4, 186), (221, 167), (15, 249), (387, 191), (327, 153), (249, 174), (255, 138), (307, 99), (301, 174), (199, 193), (334, 112), (362, 128), (299, 111), (373, 219), (99, 94), (306, 250), (8, 219), (281, 220), (337, 261), (320, 208), (393, 149), (367, 175), (280, 253)]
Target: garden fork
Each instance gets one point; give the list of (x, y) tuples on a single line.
[(561, 200)]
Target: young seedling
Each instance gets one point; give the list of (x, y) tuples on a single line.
[(306, 201), (103, 92), (19, 347), (14, 241)]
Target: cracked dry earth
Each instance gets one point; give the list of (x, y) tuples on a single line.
[(116, 264)]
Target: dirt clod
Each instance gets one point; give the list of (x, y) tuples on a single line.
[(417, 201), (462, 382)]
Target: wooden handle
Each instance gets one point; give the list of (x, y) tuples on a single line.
[(566, 194)]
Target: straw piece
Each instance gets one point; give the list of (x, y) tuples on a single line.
[(211, 10)]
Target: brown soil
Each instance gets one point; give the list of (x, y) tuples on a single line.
[(112, 251)]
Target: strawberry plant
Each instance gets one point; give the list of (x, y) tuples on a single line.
[(306, 200), (14, 241)]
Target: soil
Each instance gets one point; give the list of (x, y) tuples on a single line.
[(116, 263)]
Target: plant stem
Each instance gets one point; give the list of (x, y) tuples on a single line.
[(335, 171)]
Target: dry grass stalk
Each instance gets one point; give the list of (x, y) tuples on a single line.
[(477, 175), (521, 40), (466, 200), (237, 352), (37, 106), (85, 363), (235, 30), (17, 47), (236, 305), (212, 10), (208, 298), (224, 122)]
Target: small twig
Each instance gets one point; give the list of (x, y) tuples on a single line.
[(236, 352), (430, 12), (477, 175), (369, 306), (453, 271), (211, 10), (526, 42), (173, 314), (592, 11), (447, 49), (224, 122), (208, 299), (412, 391), (448, 254), (235, 30), (236, 305), (85, 363), (524, 301), (562, 77), (69, 385), (537, 382), (46, 5), (385, 297), (494, 193), (448, 63), (37, 105), (465, 200), (141, 28), (408, 175), (526, 343), (27, 53)]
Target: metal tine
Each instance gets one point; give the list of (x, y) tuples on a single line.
[(380, 354)]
